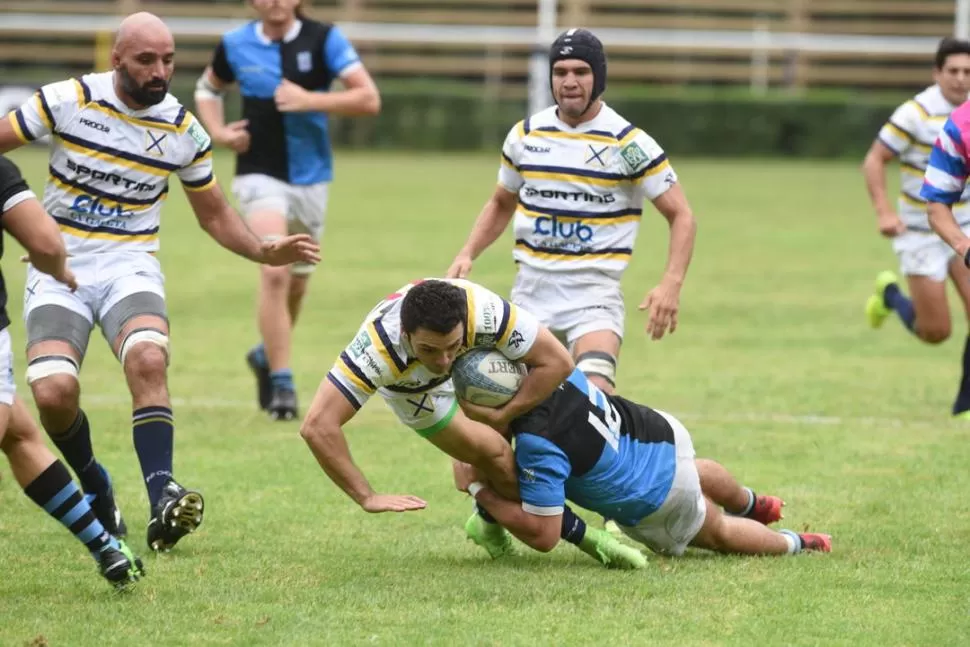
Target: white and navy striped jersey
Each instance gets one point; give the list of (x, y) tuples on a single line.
[(947, 172), (378, 360), (109, 164), (581, 190), (910, 133)]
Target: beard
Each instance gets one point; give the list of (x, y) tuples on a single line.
[(150, 94)]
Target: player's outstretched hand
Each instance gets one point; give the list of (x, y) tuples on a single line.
[(291, 249), (460, 267), (393, 503), (663, 303)]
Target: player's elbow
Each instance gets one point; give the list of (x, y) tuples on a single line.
[(371, 105), (317, 428)]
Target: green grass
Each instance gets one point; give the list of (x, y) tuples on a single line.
[(772, 369)]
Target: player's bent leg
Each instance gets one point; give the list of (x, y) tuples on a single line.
[(299, 281), (930, 307), (718, 485), (736, 535), (960, 275), (142, 346)]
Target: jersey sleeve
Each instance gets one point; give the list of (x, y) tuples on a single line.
[(509, 176), (220, 64), (50, 107), (898, 134), (646, 164), (339, 53), (946, 172), (365, 365), (494, 322), (542, 471), (196, 171), (13, 187)]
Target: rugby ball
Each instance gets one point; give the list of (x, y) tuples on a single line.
[(487, 377)]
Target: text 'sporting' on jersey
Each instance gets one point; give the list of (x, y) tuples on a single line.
[(292, 147)]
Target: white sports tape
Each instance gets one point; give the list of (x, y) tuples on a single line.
[(48, 365), (147, 335), (598, 366), (205, 90)]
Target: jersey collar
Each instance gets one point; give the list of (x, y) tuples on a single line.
[(290, 35)]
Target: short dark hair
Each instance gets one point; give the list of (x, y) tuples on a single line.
[(436, 305), (948, 47)]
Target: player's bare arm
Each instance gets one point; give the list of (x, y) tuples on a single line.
[(663, 302), (491, 222), (549, 364), (479, 445), (874, 171), (9, 139), (944, 223), (322, 429), (39, 235), (209, 92), (539, 532), (358, 98), (221, 221)]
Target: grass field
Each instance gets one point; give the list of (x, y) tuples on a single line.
[(773, 369)]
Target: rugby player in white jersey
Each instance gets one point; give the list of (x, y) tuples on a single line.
[(925, 260), (574, 177), (404, 351), (117, 137)]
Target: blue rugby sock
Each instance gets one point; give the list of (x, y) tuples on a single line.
[(282, 380), (895, 300)]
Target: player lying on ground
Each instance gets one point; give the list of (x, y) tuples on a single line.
[(636, 466), (404, 351)]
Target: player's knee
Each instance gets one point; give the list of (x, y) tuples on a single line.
[(934, 333), (144, 353), (275, 279), (53, 380), (599, 367), (544, 544)]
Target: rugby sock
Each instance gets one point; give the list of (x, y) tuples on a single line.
[(259, 354), (963, 397), (153, 432), (56, 493), (794, 541), (75, 445), (894, 299), (483, 513), (573, 528), (751, 499), (282, 380)]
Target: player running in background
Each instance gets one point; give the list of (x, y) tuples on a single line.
[(924, 259), (284, 64), (44, 478), (635, 465), (574, 177), (404, 351), (117, 138)]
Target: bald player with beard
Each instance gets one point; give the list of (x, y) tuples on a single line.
[(117, 137)]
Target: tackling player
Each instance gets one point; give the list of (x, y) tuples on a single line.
[(924, 259), (404, 351), (284, 64), (117, 138), (634, 465), (572, 180), (44, 478)]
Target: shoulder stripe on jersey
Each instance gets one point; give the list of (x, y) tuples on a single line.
[(356, 374), (180, 117), (525, 126), (83, 93), (902, 132), (386, 349), (504, 325), (924, 113), (66, 183), (204, 184), (566, 170), (438, 381), (511, 313), (114, 152), (202, 153), (45, 111), (520, 127), (344, 391), (145, 122), (508, 162), (658, 165), (626, 131), (577, 213), (888, 145), (470, 316), (20, 126)]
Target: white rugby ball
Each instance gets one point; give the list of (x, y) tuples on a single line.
[(487, 377)]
